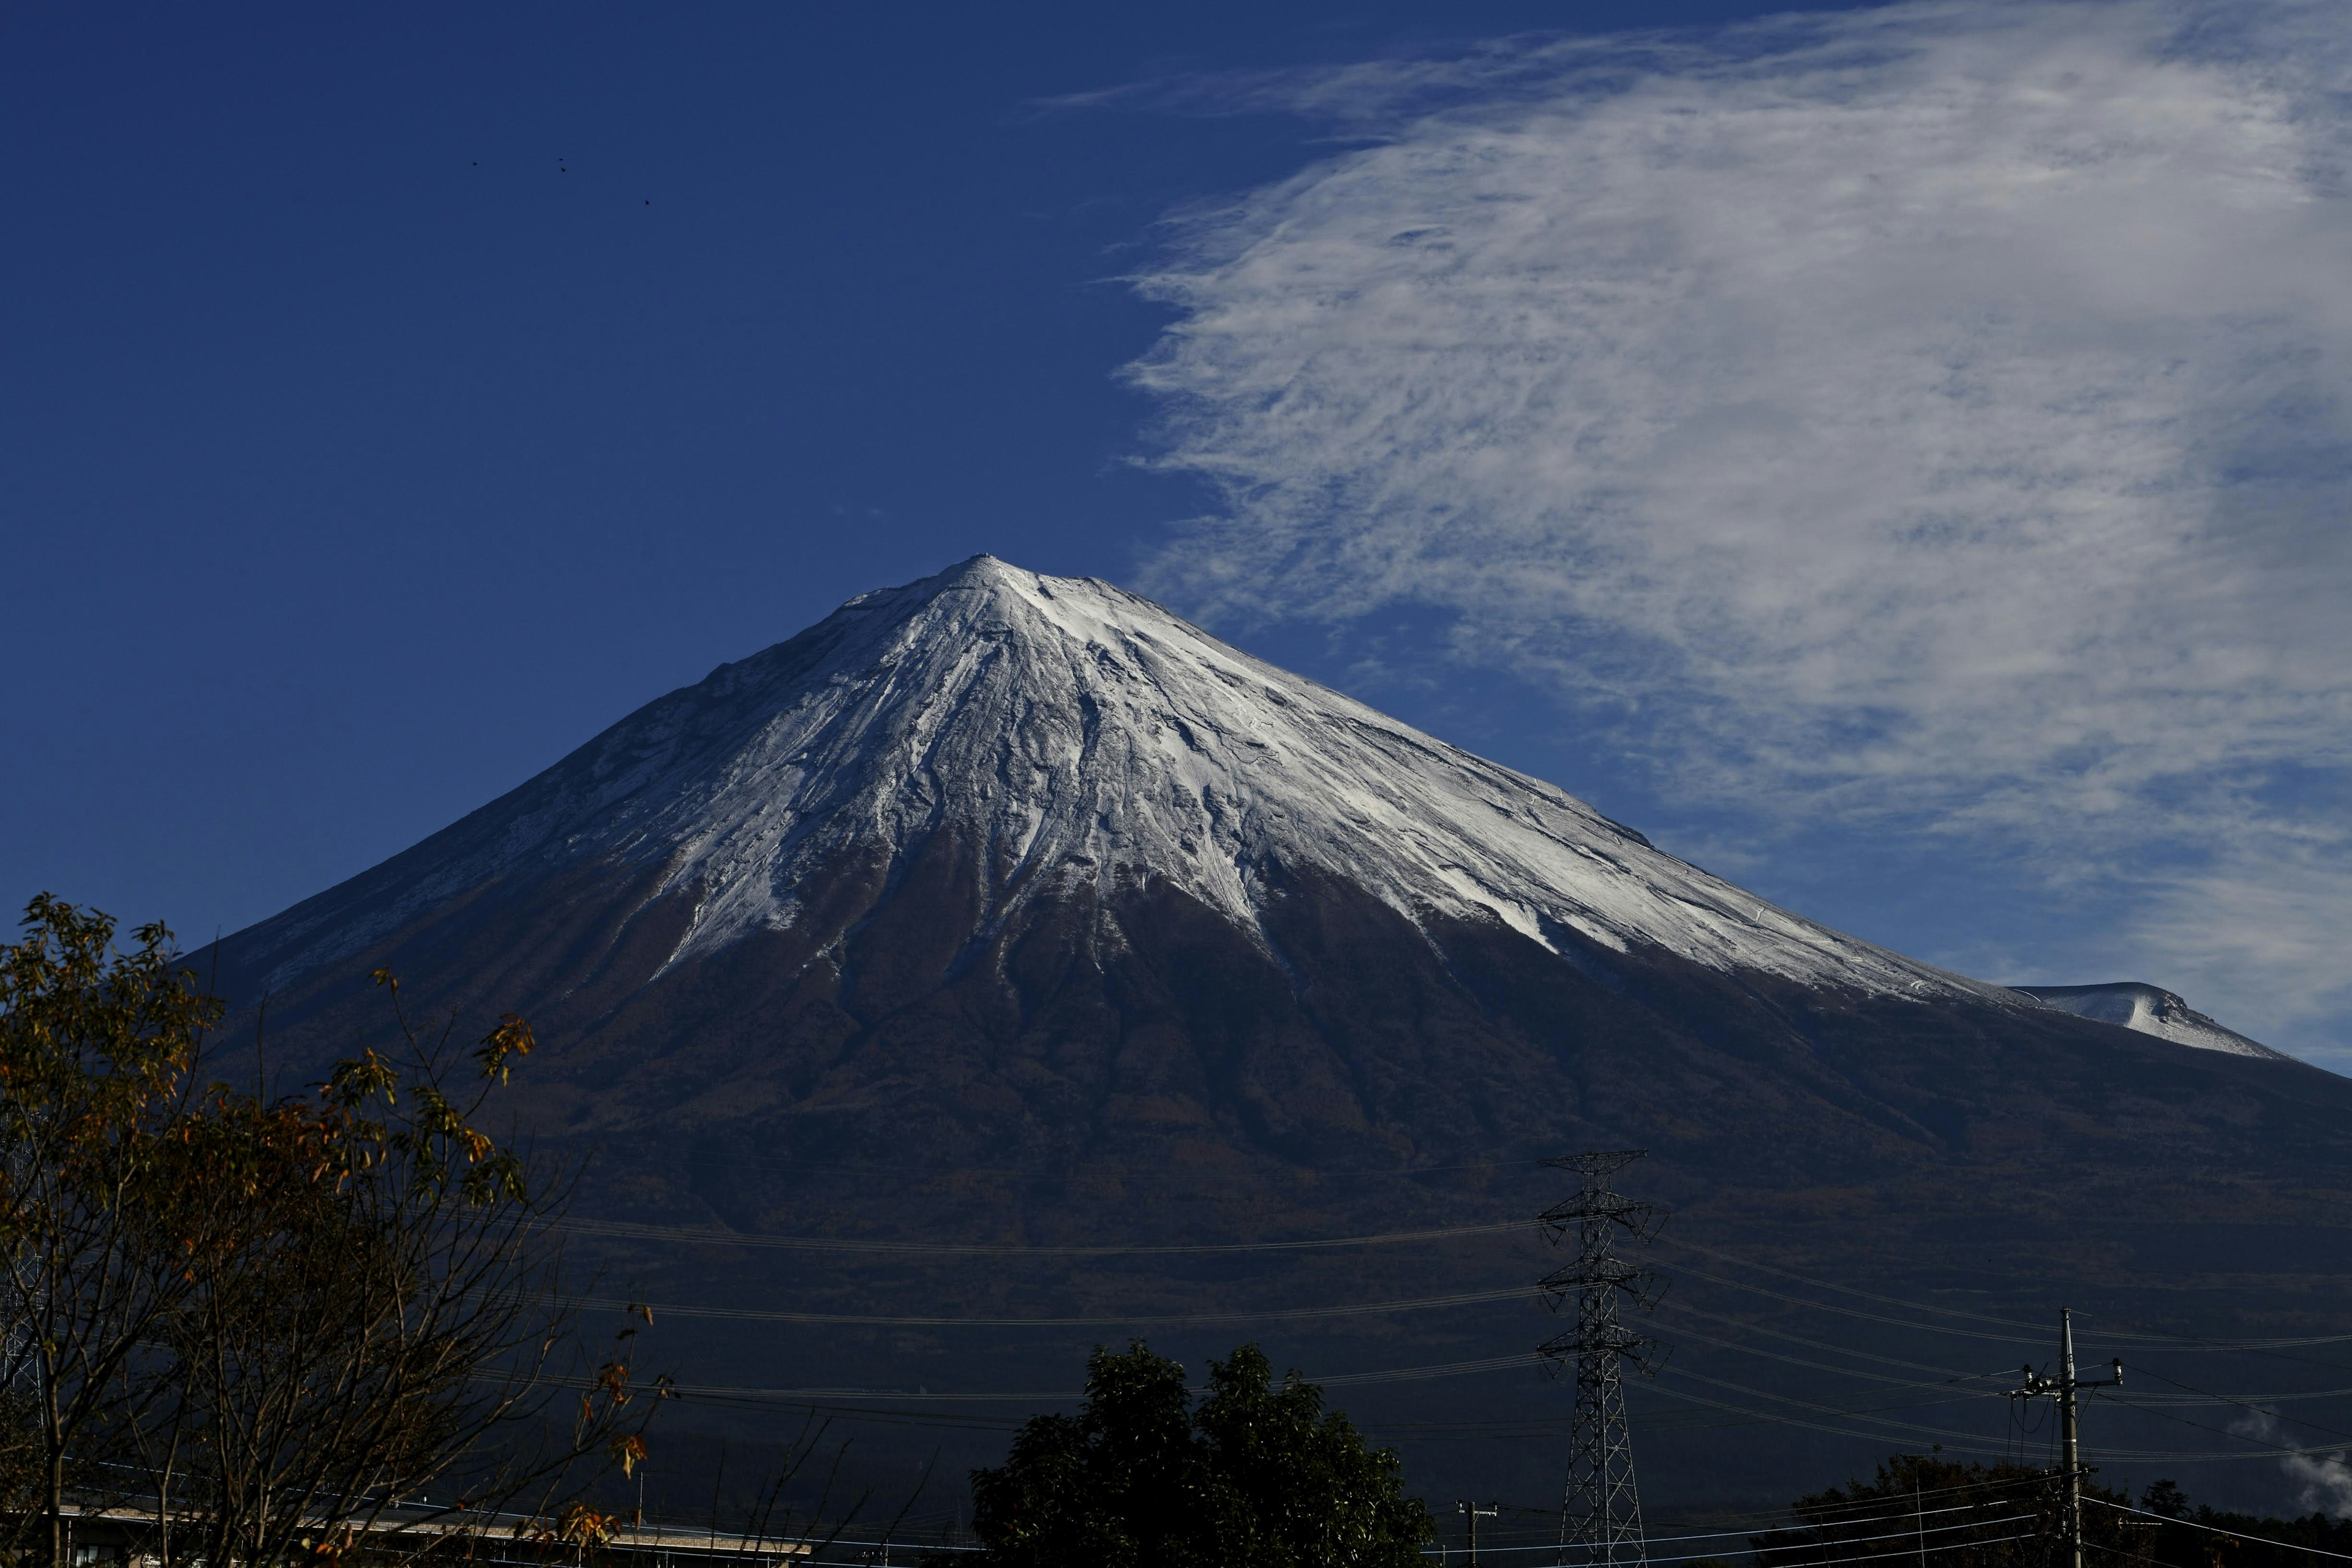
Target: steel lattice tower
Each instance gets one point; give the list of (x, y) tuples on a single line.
[(1600, 1515)]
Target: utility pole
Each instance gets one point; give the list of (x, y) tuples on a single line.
[(1601, 1513), (2063, 1387), (1471, 1514)]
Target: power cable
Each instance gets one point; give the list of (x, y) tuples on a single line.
[(1418, 1374), (2229, 1399), (2034, 1481), (2155, 1336), (2217, 1530), (1685, 1332), (1862, 1540), (1874, 1519), (1853, 1312), (2229, 1432), (1115, 1320), (1825, 1562), (630, 1231), (2140, 1402), (2128, 1333), (708, 1161), (1064, 1396), (1674, 1304), (1848, 1289), (1806, 1524), (1846, 1411), (2187, 1342), (1967, 1443)]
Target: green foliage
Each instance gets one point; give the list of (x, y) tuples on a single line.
[(1141, 1478)]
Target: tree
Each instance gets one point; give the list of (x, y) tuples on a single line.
[(96, 1052), (273, 1321), (378, 1317), (2180, 1536), (1142, 1478), (1310, 1492), (1922, 1508), (1953, 1515)]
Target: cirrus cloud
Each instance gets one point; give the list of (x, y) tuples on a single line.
[(1941, 415)]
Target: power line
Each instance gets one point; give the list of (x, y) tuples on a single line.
[(2151, 1402), (1848, 1289), (1673, 1305), (1825, 1562), (2241, 1437), (1852, 1311), (2185, 1343), (2155, 1336), (1824, 1508), (1908, 1532), (2243, 1403), (1848, 1413), (1743, 1414), (1064, 1396), (1114, 1320), (1966, 1442), (782, 1169), (2140, 1333), (1416, 1374), (1811, 1524), (1689, 1333), (2217, 1530), (625, 1230)]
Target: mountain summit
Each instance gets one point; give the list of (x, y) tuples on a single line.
[(1074, 739)]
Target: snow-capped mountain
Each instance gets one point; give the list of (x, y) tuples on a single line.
[(1012, 909), (1077, 735), (1034, 864), (2149, 1009)]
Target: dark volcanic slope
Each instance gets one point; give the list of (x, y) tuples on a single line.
[(1013, 911)]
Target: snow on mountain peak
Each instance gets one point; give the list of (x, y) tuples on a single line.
[(2149, 1009), (1075, 733)]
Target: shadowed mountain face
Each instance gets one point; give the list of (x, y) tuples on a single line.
[(1012, 911)]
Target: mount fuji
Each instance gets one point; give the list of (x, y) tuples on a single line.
[(1074, 742), (1039, 855), (1016, 910)]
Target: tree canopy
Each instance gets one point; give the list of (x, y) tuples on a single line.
[(1924, 1508), (1142, 1477), (256, 1323)]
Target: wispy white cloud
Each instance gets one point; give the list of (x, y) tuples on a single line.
[(1939, 414)]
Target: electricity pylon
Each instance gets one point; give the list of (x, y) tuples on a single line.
[(1600, 1514)]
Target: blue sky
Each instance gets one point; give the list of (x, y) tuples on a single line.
[(1895, 457)]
